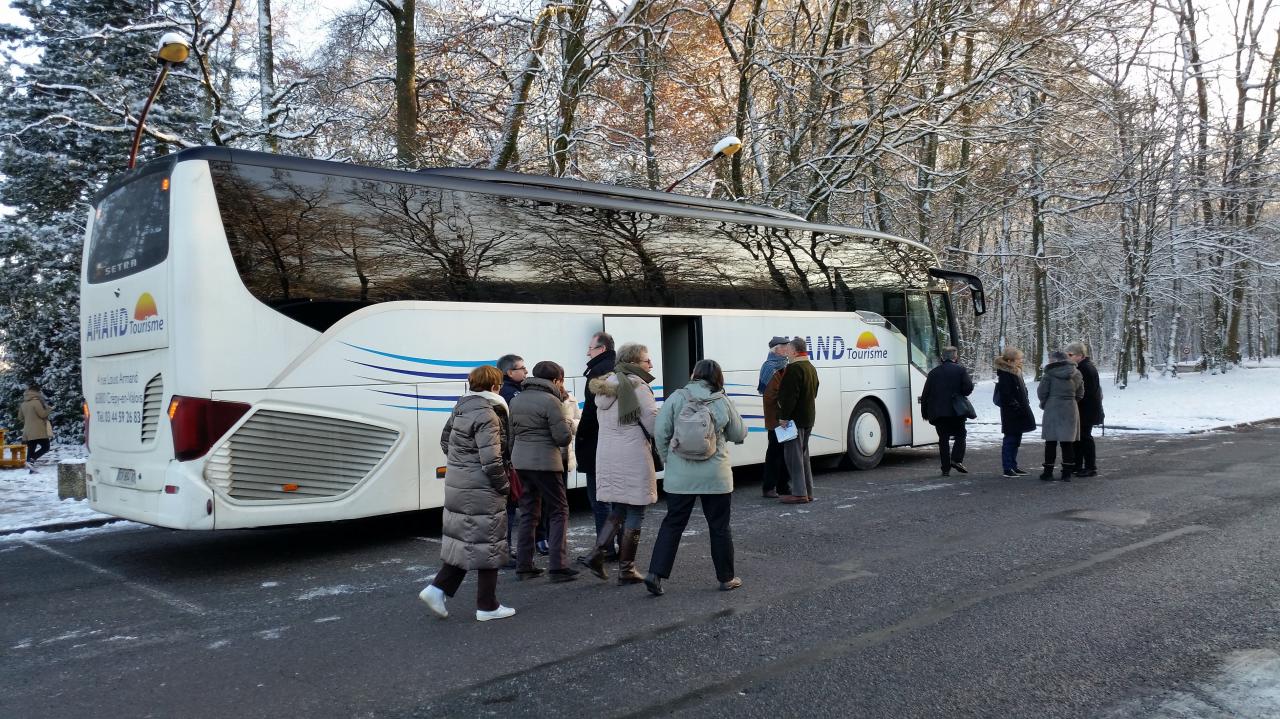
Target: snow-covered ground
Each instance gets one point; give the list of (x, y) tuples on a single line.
[(1190, 403)]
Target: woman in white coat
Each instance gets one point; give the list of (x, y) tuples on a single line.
[(625, 476)]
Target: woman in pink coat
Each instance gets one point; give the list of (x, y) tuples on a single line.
[(625, 475)]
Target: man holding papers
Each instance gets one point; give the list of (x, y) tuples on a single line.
[(796, 414)]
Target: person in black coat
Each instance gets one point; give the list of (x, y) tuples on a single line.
[(945, 384), (1016, 417), (601, 358), (1091, 414)]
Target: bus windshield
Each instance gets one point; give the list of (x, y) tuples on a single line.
[(130, 229)]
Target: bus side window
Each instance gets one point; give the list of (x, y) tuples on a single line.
[(922, 340)]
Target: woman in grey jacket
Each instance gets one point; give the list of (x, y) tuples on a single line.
[(1059, 390), (541, 431), (475, 498), (687, 480)]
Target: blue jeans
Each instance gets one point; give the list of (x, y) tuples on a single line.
[(1009, 451), (599, 510), (632, 514)]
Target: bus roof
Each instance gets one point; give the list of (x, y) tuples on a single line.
[(514, 184)]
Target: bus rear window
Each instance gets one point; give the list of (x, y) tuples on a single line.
[(130, 229)]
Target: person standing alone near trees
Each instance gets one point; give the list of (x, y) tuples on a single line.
[(940, 405), (797, 404), (37, 431), (1090, 406)]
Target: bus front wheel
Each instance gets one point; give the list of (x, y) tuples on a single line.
[(868, 435)]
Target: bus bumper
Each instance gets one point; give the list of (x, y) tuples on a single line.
[(188, 505)]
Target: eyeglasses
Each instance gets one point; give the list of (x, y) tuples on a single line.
[(647, 361), (519, 369)]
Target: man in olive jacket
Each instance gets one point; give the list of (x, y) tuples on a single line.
[(797, 404), (1091, 414), (942, 387)]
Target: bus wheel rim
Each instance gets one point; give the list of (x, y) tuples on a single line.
[(866, 434)]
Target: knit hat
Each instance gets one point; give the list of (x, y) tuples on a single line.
[(778, 341)]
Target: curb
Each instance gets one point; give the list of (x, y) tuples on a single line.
[(62, 526)]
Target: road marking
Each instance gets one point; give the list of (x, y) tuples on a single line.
[(822, 653), (173, 601)]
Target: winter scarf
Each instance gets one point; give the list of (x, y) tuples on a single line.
[(772, 364), (628, 402)]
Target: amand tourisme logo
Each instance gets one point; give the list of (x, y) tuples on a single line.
[(117, 323)]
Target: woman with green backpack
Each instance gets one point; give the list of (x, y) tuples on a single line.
[(693, 432)]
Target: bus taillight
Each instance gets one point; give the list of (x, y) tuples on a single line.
[(197, 423), (84, 406)]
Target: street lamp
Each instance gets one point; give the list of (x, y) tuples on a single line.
[(726, 147), (173, 50)]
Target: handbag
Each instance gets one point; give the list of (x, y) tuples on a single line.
[(653, 449), (513, 479), (963, 407)]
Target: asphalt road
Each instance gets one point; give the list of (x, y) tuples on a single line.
[(1150, 591)]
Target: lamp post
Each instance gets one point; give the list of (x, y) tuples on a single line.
[(726, 147), (174, 50)]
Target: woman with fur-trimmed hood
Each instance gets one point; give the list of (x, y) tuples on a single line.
[(1013, 400), (625, 475)]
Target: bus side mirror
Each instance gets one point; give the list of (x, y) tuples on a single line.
[(974, 284)]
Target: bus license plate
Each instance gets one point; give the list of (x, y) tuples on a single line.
[(127, 476)]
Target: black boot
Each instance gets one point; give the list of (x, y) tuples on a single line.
[(1047, 474), (627, 573), (1067, 470), (604, 542)]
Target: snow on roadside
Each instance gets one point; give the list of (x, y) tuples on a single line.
[(30, 499), (1191, 402)]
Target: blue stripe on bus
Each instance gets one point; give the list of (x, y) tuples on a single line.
[(753, 416), (756, 429), (419, 409), (437, 398), (437, 375), (426, 360)]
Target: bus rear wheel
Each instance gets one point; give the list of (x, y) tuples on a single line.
[(868, 435)]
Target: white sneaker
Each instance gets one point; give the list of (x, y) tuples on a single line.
[(500, 613), (434, 597)]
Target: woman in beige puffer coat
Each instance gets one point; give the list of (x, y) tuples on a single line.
[(34, 413), (625, 475)]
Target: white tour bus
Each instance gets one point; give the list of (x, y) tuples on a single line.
[(272, 340)]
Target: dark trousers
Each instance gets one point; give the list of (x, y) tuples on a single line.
[(449, 578), (540, 487), (950, 429), (1051, 453), (1087, 452), (1009, 451), (36, 449), (775, 467), (799, 468), (717, 509)]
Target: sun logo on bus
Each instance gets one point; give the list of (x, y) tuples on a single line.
[(867, 340), (145, 308)]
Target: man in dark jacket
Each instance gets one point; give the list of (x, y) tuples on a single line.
[(775, 467), (1091, 413), (600, 361), (797, 404), (514, 373), (945, 384)]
